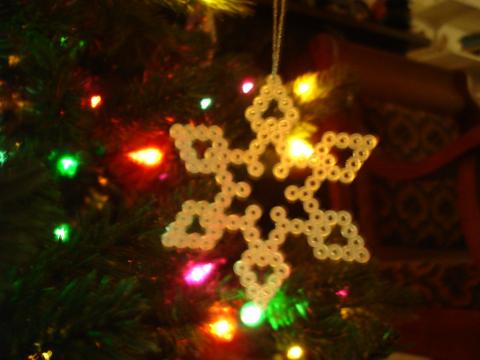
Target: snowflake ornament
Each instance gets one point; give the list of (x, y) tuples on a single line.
[(212, 216)]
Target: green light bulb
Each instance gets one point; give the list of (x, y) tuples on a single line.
[(62, 233), (205, 103), (67, 165), (63, 41), (251, 314), (3, 157), (283, 310)]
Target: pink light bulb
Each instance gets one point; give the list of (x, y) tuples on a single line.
[(197, 274), (343, 293), (163, 176), (247, 86)]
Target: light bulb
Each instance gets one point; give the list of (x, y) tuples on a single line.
[(67, 165), (295, 352), (205, 103), (251, 314), (247, 86), (223, 329), (299, 148), (149, 157), (198, 273), (306, 87), (95, 101), (62, 233)]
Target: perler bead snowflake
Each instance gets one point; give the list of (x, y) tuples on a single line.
[(265, 252)]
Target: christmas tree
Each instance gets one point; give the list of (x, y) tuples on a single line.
[(95, 97)]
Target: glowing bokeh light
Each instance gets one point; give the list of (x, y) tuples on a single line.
[(251, 314), (299, 148), (3, 157), (205, 103), (149, 157), (63, 41), (306, 87), (283, 310), (247, 86), (62, 233), (345, 313), (102, 180), (163, 176), (198, 273), (295, 352), (95, 101), (223, 329), (343, 293), (13, 60), (67, 165)]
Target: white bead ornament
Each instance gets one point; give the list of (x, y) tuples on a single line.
[(264, 253)]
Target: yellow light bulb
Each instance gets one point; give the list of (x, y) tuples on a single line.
[(303, 87), (345, 313), (306, 87), (299, 149), (295, 352)]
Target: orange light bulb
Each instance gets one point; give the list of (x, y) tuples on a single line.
[(149, 157), (223, 329), (95, 101)]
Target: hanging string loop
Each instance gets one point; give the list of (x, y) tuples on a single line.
[(279, 7)]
